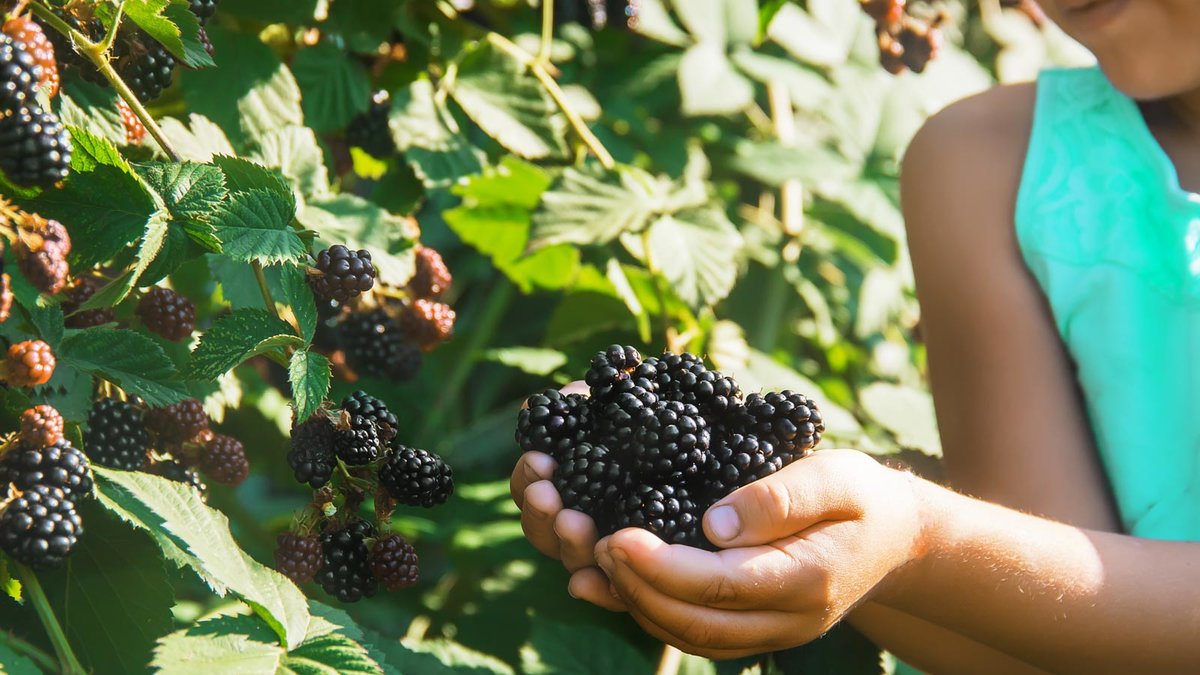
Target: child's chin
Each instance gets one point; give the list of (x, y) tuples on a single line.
[(1147, 81)]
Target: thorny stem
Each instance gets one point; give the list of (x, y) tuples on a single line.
[(68, 662), (22, 647), (111, 36)]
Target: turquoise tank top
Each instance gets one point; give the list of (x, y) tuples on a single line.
[(1114, 242)]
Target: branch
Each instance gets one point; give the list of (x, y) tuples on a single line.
[(67, 660)]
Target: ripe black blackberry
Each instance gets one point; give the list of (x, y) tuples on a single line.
[(790, 421), (362, 404), (394, 562), (737, 460), (177, 422), (40, 527), (345, 566), (224, 460), (30, 36), (42, 252), (665, 510), (298, 557), (342, 274), (29, 364), (18, 75), (359, 443), (609, 367), (427, 323), (35, 149), (167, 313), (180, 473), (374, 346), (616, 420), (432, 277), (116, 435), (204, 9), (716, 395), (59, 465), (553, 422), (370, 130), (589, 479), (311, 456), (71, 61), (416, 477), (41, 426), (79, 292), (671, 441), (145, 65)]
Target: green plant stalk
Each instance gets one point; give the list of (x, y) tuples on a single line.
[(543, 55), (659, 291), (22, 647), (67, 660), (111, 36), (260, 276)]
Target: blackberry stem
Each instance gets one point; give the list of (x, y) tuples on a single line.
[(67, 660), (106, 44), (22, 647), (543, 55)]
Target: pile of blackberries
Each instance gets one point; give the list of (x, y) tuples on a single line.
[(657, 441), (42, 477), (346, 455)]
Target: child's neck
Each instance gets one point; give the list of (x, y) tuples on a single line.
[(1176, 124), (1185, 113)]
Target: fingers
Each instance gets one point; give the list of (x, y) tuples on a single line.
[(530, 468), (577, 537), (591, 585), (540, 507), (807, 492)]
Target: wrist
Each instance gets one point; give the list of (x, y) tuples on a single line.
[(928, 502)]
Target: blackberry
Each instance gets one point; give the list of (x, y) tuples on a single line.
[(790, 421), (30, 36), (224, 460), (431, 278), (671, 441), (553, 422), (370, 130), (311, 456), (178, 422), (716, 395), (427, 323), (589, 480), (35, 149), (167, 313), (375, 347), (342, 274), (359, 444), (18, 74), (42, 249), (116, 436), (146, 66), (41, 426), (78, 293), (736, 461), (345, 566), (609, 367), (40, 527), (135, 131), (6, 297), (298, 557), (204, 9), (180, 473), (362, 404), (59, 465), (416, 477), (617, 421), (29, 364), (667, 511), (71, 61), (394, 563)]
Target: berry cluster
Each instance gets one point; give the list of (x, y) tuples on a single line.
[(345, 455), (35, 149), (657, 441), (42, 477), (906, 42), (173, 441)]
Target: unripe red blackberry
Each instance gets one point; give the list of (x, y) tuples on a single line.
[(35, 149), (167, 313), (34, 41), (394, 563), (891, 54), (311, 456), (178, 422), (40, 527), (298, 557), (116, 435), (370, 130), (342, 274), (29, 364), (41, 426), (431, 278), (427, 323), (884, 12), (416, 477), (42, 249), (135, 131), (79, 292), (224, 460), (19, 75), (345, 566), (58, 465)]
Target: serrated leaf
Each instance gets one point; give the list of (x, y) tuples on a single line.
[(562, 649), (696, 251), (508, 104), (89, 151), (189, 190), (299, 297), (181, 522), (9, 585), (168, 21), (709, 84), (199, 140), (242, 175), (227, 644), (330, 653), (295, 152), (585, 208), (255, 225), (92, 107), (236, 337), (150, 246), (309, 376), (131, 360), (808, 90), (335, 88), (358, 223)]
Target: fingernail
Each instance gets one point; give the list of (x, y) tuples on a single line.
[(724, 522), (571, 592), (604, 560), (530, 474)]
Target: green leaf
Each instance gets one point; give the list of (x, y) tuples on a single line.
[(89, 151), (170, 29), (905, 411), (585, 208), (357, 223), (532, 360), (295, 152), (425, 132), (335, 88), (226, 644), (808, 90), (655, 22), (309, 376), (508, 104), (696, 251), (255, 225), (131, 360), (563, 649), (774, 164), (199, 140), (327, 651), (709, 83), (299, 297), (236, 337), (192, 533), (243, 175), (9, 584), (92, 107), (190, 190), (12, 663)]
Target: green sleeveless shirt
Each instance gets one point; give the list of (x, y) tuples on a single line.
[(1114, 242)]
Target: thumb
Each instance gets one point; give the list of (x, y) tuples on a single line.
[(807, 492)]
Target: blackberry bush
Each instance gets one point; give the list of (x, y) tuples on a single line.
[(29, 364)]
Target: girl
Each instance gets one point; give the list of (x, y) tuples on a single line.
[(1055, 234)]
